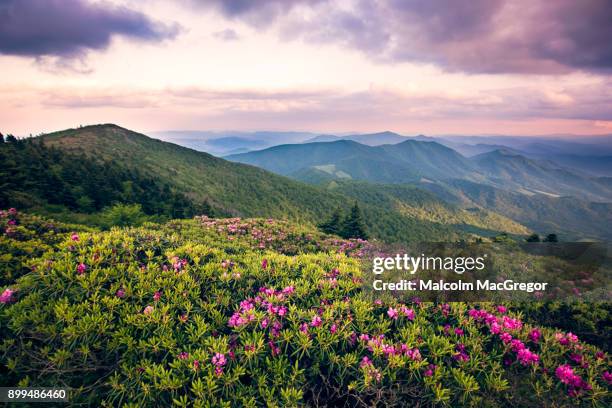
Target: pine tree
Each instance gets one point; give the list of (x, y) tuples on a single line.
[(551, 238), (353, 226), (334, 224), (1, 138), (533, 238)]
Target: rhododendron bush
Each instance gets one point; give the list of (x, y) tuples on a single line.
[(233, 312)]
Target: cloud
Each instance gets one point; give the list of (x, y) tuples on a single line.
[(69, 28), (226, 35), (476, 36), (260, 13), (584, 102)]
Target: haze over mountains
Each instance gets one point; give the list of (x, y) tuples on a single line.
[(520, 180), (417, 189)]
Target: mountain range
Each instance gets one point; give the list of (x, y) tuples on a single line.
[(417, 189), (229, 189), (417, 161), (537, 193)]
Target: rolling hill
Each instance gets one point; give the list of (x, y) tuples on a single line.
[(511, 170), (404, 162), (539, 194), (230, 189)]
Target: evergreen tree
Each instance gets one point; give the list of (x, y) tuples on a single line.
[(551, 238), (334, 224), (353, 226), (1, 138), (533, 238)]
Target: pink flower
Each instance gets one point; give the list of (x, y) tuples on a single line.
[(264, 264), (535, 335), (333, 329), (316, 321), (430, 370), (607, 376), (288, 290), (183, 355), (566, 375), (148, 310), (409, 313), (274, 348), (196, 365), (392, 313), (7, 296), (458, 331), (74, 236), (501, 309), (219, 360), (378, 302), (120, 293), (526, 357), (572, 337), (517, 345), (157, 296), (365, 362), (81, 268), (505, 337)]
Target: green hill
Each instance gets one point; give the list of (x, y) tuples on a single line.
[(87, 169), (570, 217), (408, 161), (511, 170)]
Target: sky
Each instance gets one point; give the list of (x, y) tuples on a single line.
[(518, 67)]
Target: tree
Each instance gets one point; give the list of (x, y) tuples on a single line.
[(334, 224), (533, 238), (353, 226), (1, 138), (551, 238), (123, 215), (11, 139)]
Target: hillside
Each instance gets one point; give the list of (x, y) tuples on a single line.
[(230, 188), (91, 168), (417, 203), (252, 312), (400, 163), (509, 169), (570, 217)]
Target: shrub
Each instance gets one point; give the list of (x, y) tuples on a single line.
[(262, 313)]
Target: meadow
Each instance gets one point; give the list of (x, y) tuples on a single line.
[(259, 312)]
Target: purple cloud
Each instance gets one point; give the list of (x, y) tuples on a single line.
[(226, 35), (69, 28), (476, 36)]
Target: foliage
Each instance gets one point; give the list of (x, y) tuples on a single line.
[(233, 312), (351, 226), (24, 237), (33, 174)]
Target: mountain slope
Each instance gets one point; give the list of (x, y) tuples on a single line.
[(408, 161), (231, 188), (509, 169), (570, 217), (238, 189)]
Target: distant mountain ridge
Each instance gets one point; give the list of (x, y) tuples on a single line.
[(413, 160), (408, 161), (233, 189)]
